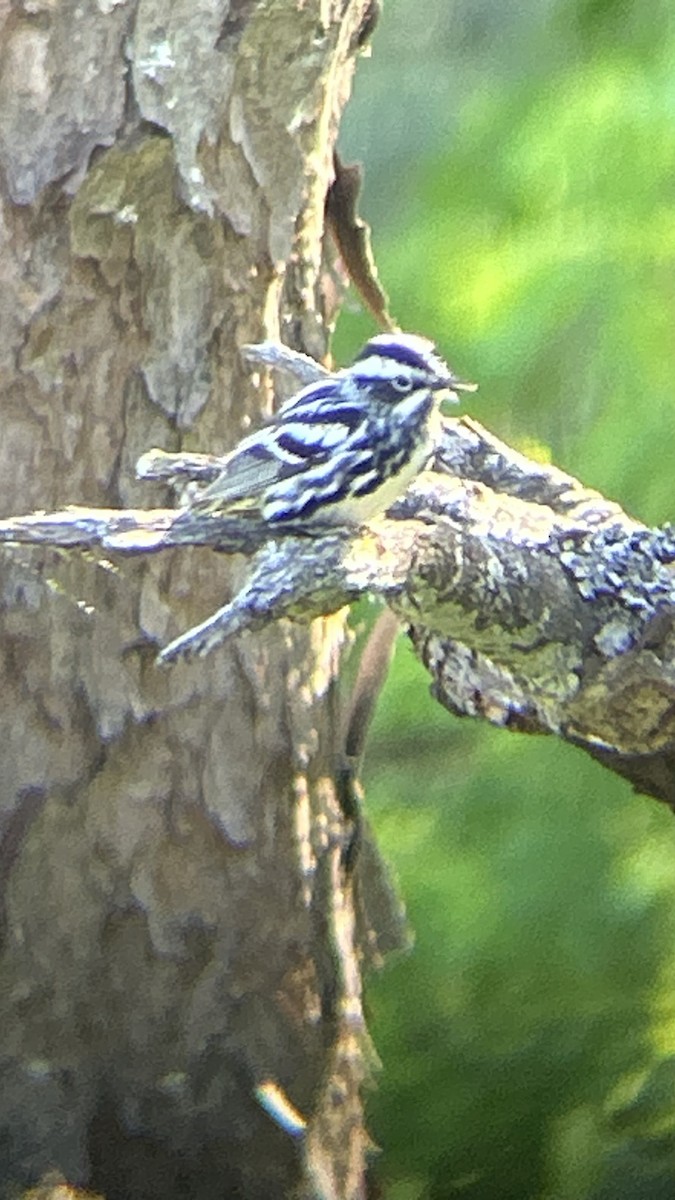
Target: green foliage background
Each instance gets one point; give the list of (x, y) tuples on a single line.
[(520, 183)]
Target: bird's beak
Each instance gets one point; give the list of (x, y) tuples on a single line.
[(449, 392)]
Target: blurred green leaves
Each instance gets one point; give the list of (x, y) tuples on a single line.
[(537, 241), (536, 1001), (520, 180)]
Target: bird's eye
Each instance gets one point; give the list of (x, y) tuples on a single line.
[(402, 383)]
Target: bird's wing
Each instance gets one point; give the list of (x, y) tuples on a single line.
[(276, 452), (305, 432), (246, 474)]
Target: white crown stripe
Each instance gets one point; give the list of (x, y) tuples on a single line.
[(376, 366)]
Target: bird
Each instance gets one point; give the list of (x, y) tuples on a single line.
[(341, 450)]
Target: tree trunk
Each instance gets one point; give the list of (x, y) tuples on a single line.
[(177, 926)]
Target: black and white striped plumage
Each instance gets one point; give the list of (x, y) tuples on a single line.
[(343, 449)]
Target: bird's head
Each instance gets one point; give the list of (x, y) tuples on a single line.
[(398, 364)]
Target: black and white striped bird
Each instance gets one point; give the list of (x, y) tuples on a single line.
[(343, 449)]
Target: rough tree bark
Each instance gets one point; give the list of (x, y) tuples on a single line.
[(177, 928)]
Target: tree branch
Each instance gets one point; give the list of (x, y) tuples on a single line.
[(533, 601)]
